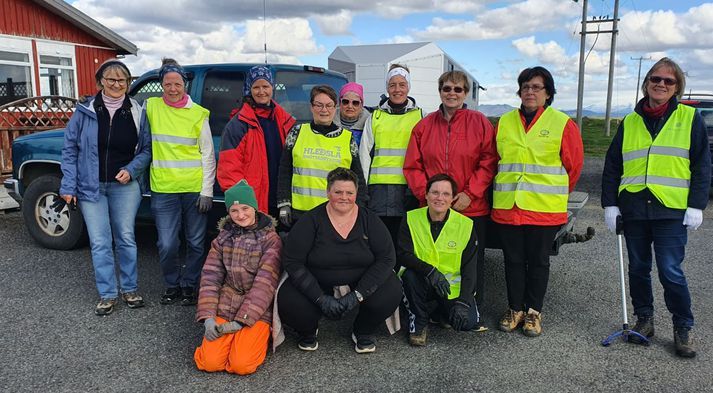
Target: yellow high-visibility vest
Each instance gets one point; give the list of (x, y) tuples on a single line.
[(662, 165), (176, 165), (391, 136), (530, 171), (445, 254), (313, 157)]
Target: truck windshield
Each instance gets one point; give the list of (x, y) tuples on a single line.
[(292, 90)]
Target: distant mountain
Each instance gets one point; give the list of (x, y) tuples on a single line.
[(496, 110)]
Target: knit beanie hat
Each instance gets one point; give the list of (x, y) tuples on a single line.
[(256, 73), (352, 87), (241, 193)]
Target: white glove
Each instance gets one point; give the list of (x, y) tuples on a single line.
[(211, 333), (693, 218), (610, 215)]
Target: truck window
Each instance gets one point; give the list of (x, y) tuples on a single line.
[(292, 90), (222, 92), (151, 88)]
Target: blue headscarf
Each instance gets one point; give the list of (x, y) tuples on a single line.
[(256, 73), (166, 68)]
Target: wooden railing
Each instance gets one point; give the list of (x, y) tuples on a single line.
[(30, 115)]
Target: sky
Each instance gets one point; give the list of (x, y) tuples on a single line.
[(494, 40)]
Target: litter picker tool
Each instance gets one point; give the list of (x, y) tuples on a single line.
[(625, 332)]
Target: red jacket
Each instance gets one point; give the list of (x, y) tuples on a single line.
[(463, 148), (572, 156), (243, 154)]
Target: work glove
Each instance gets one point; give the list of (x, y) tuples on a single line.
[(330, 306), (229, 327), (58, 205), (286, 216), (211, 331), (348, 301), (439, 283), (459, 315), (610, 215), (204, 204), (693, 218)]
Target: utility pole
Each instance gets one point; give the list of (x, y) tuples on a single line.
[(612, 58), (580, 82), (638, 76)]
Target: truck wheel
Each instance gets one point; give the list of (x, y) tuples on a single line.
[(60, 231)]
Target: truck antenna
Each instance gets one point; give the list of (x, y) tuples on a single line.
[(264, 28)]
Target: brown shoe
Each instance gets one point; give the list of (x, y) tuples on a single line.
[(684, 343), (533, 323), (511, 320), (418, 339)]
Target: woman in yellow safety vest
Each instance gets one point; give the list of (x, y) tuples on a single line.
[(311, 151), (656, 176)]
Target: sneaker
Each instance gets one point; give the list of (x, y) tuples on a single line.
[(645, 327), (533, 323), (132, 299), (189, 296), (511, 320), (684, 344), (171, 296), (418, 339), (105, 307), (480, 327), (363, 343), (308, 342)]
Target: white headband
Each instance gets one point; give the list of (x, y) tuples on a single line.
[(398, 71)]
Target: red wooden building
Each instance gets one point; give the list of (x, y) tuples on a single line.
[(48, 47)]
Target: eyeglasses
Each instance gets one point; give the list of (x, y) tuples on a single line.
[(666, 81), (457, 89), (113, 81), (532, 88), (436, 194), (319, 106), (346, 102)]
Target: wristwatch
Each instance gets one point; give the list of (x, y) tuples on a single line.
[(360, 298)]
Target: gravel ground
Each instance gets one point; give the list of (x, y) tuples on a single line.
[(52, 341)]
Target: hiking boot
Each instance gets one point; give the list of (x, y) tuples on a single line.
[(308, 342), (189, 296), (511, 320), (132, 299), (172, 295), (684, 344), (363, 343), (533, 323), (645, 327), (105, 307), (418, 339)]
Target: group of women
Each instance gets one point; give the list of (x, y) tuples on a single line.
[(343, 183)]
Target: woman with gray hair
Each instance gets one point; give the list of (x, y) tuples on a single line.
[(657, 176)]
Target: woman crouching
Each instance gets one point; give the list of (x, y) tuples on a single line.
[(237, 287)]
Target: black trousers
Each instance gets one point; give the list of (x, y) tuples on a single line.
[(527, 263), (481, 225), (303, 315), (393, 223), (422, 302)]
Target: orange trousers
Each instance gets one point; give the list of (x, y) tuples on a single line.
[(241, 352)]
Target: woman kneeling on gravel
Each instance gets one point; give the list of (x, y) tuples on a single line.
[(237, 287)]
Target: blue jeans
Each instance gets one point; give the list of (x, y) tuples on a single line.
[(112, 217), (173, 212), (669, 239)]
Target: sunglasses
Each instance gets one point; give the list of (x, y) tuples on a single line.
[(457, 89), (346, 102), (666, 81)]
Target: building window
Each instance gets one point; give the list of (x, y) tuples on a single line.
[(15, 76), (56, 76)]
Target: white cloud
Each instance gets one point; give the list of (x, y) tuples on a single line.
[(338, 24), (284, 37)]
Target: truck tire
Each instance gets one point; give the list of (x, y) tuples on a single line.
[(60, 231)]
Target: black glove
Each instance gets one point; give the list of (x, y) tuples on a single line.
[(439, 283), (330, 306), (204, 204), (349, 301), (459, 315), (58, 205), (286, 216)]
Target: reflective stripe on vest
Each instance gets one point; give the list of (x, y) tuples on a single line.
[(446, 252), (313, 157), (530, 172), (662, 165), (391, 136), (176, 165)]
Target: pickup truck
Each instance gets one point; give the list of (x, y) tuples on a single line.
[(36, 158)]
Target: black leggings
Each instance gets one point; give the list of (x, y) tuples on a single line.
[(303, 315)]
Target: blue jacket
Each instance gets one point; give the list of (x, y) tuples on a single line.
[(80, 153), (643, 205)]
